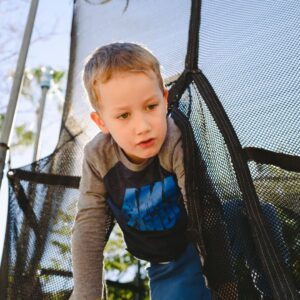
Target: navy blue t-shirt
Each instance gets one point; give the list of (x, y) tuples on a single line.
[(148, 207)]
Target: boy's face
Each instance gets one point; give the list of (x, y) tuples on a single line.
[(133, 110)]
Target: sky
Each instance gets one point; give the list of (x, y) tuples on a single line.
[(50, 44)]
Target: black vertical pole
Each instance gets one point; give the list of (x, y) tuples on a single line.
[(4, 266), (191, 60)]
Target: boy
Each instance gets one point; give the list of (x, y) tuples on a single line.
[(134, 167)]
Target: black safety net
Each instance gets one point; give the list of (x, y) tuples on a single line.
[(232, 68)]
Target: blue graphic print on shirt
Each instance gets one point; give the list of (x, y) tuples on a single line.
[(152, 208)]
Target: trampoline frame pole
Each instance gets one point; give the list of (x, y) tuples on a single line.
[(15, 90), (8, 124)]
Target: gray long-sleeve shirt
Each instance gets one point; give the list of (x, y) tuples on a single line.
[(110, 181)]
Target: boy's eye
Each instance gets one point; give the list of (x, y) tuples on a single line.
[(151, 106), (123, 116)]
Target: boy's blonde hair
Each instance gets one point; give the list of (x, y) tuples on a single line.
[(114, 58)]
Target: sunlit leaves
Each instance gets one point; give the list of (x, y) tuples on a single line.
[(24, 136)]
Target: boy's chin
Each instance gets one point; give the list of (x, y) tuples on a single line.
[(137, 160), (140, 159)]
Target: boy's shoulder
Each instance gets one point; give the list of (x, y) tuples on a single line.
[(173, 136), (100, 151), (172, 145), (98, 143)]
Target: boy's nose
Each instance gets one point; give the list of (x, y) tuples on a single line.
[(142, 126)]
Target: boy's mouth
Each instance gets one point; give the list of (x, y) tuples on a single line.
[(147, 143)]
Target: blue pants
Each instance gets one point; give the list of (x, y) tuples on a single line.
[(180, 279)]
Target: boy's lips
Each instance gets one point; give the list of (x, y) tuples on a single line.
[(146, 143)]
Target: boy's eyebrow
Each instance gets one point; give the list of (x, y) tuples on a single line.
[(125, 107), (151, 98)]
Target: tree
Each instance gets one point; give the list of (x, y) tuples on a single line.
[(13, 16), (24, 131)]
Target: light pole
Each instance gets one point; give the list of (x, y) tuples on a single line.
[(45, 86)]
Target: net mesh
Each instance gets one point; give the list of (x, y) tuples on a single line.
[(278, 191), (244, 207)]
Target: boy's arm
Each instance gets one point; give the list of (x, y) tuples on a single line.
[(88, 235)]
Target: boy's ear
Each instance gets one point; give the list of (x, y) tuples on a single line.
[(99, 121), (166, 93)]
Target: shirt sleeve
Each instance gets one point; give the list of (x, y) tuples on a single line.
[(178, 168), (88, 234)]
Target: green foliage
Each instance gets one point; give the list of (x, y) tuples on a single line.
[(116, 257), (32, 80), (1, 120), (117, 293), (61, 295), (120, 266), (60, 235), (291, 231), (24, 136), (125, 294), (282, 188), (63, 247), (31, 84), (57, 76), (119, 263), (37, 73)]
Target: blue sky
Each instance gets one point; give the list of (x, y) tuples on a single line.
[(56, 15), (53, 21)]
